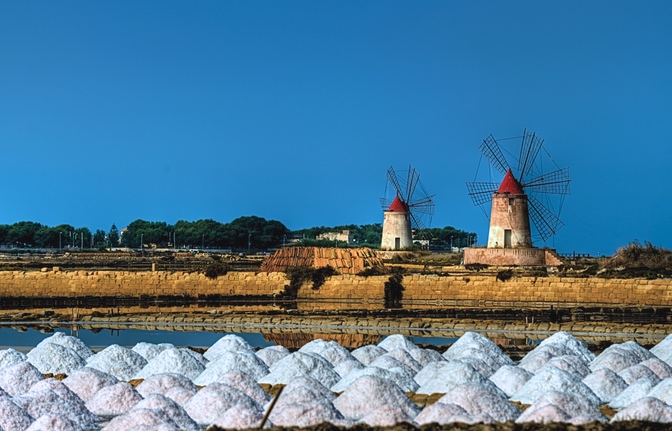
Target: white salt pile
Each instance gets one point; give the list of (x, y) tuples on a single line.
[(53, 423), (390, 363), (305, 402), (59, 389), (214, 400), (172, 360), (662, 391), (386, 416), (113, 400), (574, 405), (316, 346), (472, 342), (227, 361), (553, 379), (645, 409), (425, 356), (176, 413), (272, 354), (618, 357), (450, 376), (69, 341), (19, 378), (346, 366), (572, 364), (118, 361), (369, 393), (636, 372), (169, 385), (606, 384), (228, 343), (247, 384), (86, 381), (509, 378), (406, 383), (397, 341), (570, 342), (405, 358), (534, 360), (13, 417), (150, 350), (663, 350), (428, 371), (545, 414), (367, 354), (142, 419), (336, 354), (11, 357), (304, 389), (239, 417), (638, 389), (47, 402), (442, 414), (301, 364), (55, 359), (479, 399), (661, 368)]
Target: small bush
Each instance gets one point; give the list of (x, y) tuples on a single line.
[(394, 288), (504, 275), (373, 271), (216, 269), (298, 275), (475, 266)]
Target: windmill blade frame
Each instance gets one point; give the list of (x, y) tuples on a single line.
[(529, 150), (411, 183), (392, 179), (491, 150), (555, 182), (424, 205), (481, 192), (546, 223)]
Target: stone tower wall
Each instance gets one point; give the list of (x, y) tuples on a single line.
[(396, 225), (509, 212)]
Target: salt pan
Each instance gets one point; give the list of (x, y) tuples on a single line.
[(368, 393), (13, 417), (69, 341), (227, 361), (53, 423), (605, 384), (118, 361), (86, 381), (510, 378), (553, 379), (19, 378), (397, 341), (638, 389), (47, 402), (367, 354), (645, 409), (228, 343), (478, 399), (114, 400), (449, 376), (11, 357), (406, 383), (301, 364), (214, 400), (171, 408), (172, 360), (55, 359), (272, 354), (142, 419)]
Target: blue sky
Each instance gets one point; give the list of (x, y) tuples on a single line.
[(293, 110)]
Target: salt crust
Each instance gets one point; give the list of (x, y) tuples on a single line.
[(473, 341), (272, 354), (443, 414), (545, 414), (638, 389), (367, 354), (425, 356), (450, 376), (172, 360), (346, 366), (55, 359), (231, 361), (61, 390), (239, 417), (368, 393), (301, 364), (661, 368), (406, 383), (214, 400), (163, 383), (336, 354), (19, 378), (553, 379), (247, 384), (47, 402), (11, 357), (397, 341), (142, 419), (479, 399), (566, 339), (662, 391), (405, 357), (574, 405), (171, 408), (228, 343), (13, 417), (150, 350), (69, 341), (53, 423), (86, 381), (636, 372), (606, 384), (645, 409), (113, 400), (386, 416), (118, 361), (510, 378)]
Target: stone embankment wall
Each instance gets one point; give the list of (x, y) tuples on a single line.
[(461, 290)]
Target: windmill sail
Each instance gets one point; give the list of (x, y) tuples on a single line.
[(490, 149), (546, 223), (481, 193)]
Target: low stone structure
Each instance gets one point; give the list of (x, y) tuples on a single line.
[(528, 256), (343, 260)]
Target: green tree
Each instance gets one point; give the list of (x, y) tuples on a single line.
[(99, 238), (113, 236), (22, 234)]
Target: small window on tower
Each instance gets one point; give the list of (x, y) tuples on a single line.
[(511, 200)]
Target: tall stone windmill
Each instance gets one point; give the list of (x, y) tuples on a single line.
[(516, 200), (411, 209)]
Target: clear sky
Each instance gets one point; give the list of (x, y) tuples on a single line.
[(293, 110)]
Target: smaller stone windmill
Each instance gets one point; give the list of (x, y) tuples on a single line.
[(411, 209), (515, 201)]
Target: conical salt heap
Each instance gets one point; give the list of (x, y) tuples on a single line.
[(343, 260)]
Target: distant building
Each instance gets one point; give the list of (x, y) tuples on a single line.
[(343, 236)]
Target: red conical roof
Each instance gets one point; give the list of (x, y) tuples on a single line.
[(510, 185), (398, 205)]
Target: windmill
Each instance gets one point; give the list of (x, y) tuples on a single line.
[(410, 209), (518, 198)]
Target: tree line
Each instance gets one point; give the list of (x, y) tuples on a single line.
[(249, 232)]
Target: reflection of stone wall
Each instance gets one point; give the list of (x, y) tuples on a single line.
[(296, 340)]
